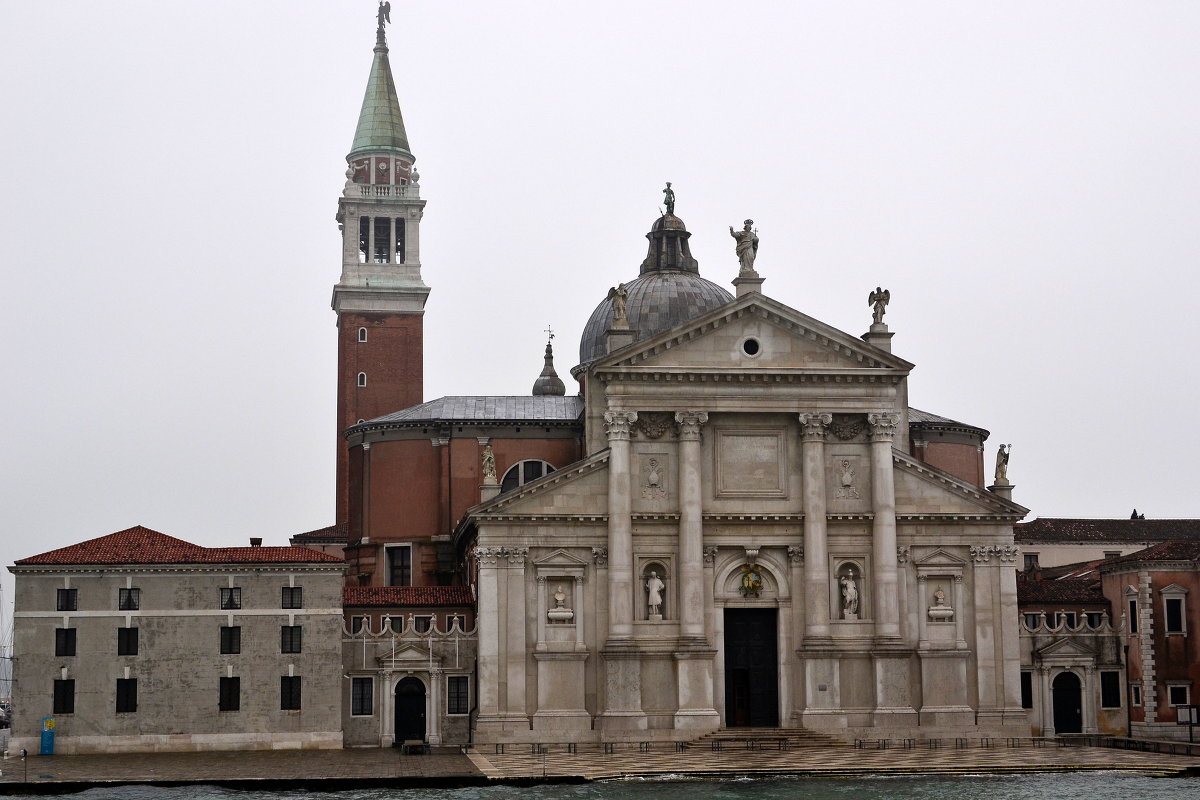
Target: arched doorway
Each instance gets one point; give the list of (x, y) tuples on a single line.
[(1068, 703), (410, 710)]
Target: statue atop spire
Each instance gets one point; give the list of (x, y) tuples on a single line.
[(669, 199), (384, 15)]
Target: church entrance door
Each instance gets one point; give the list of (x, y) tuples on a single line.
[(751, 668), (410, 710), (1068, 703)]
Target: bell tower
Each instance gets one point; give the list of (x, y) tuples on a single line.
[(380, 297)]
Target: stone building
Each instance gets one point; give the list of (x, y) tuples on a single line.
[(138, 641), (1055, 541), (748, 539)]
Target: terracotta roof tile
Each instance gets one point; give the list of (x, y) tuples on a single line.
[(360, 596), (330, 533), (1164, 551), (139, 545), (1076, 591), (1107, 530)]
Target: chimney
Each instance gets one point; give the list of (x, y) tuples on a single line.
[(256, 541)]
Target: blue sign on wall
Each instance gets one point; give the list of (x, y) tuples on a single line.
[(47, 736)]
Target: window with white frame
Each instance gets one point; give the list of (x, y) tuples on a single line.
[(362, 334), (1135, 694), (1175, 622), (362, 379), (523, 472), (1178, 694), (421, 623), (399, 564), (359, 624)]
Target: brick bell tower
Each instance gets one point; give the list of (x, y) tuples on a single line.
[(380, 297)]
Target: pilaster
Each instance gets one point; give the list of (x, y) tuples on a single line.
[(816, 563), (883, 533)]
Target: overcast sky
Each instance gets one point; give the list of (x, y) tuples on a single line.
[(1023, 176)]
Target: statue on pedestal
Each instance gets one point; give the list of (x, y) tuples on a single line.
[(489, 464), (849, 596), (669, 199), (1002, 463), (878, 301), (654, 589), (746, 247), (619, 296)]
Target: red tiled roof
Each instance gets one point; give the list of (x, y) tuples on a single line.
[(1074, 591), (331, 533), (360, 596), (1164, 551), (1107, 530), (138, 545)]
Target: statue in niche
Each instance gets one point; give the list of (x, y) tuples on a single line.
[(1002, 463), (849, 596), (746, 247), (847, 489), (560, 613), (654, 590), (878, 301), (619, 296), (752, 582), (489, 464), (669, 199), (940, 611), (560, 597)]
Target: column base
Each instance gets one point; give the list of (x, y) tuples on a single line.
[(579, 720), (620, 721), (697, 719)]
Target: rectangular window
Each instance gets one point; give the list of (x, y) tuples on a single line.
[(1067, 617), (231, 598), (129, 599), (397, 624), (64, 641), (400, 240), (68, 600), (289, 693), (1135, 694), (1112, 554), (451, 619), (364, 236), (1174, 608), (230, 698), (1032, 621), (1133, 620), (64, 697), (1026, 690), (293, 597), (1110, 689), (231, 639), (457, 699), (289, 639), (362, 701), (383, 232), (126, 695), (358, 623), (1177, 695), (1094, 619), (1031, 561), (127, 641), (421, 624), (400, 565)]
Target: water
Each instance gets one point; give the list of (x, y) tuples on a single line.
[(1092, 786)]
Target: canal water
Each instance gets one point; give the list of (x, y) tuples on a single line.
[(1089, 786)]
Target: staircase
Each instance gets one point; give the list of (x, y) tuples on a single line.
[(796, 737)]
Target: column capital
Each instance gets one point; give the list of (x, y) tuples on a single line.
[(690, 422), (541, 578), (813, 426), (883, 426), (617, 423)]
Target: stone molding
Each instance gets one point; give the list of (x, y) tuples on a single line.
[(983, 553), (491, 556)]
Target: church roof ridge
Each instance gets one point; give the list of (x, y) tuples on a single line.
[(487, 408)]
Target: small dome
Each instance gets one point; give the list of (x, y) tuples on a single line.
[(548, 383), (668, 222), (657, 301)]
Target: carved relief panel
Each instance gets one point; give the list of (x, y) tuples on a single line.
[(848, 480), (751, 463)]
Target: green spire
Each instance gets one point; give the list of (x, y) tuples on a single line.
[(380, 125)]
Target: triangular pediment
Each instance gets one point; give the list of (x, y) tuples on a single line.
[(559, 558), (406, 656), (1066, 646), (578, 489), (939, 558), (786, 341), (922, 490)]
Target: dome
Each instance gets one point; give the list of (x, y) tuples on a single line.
[(658, 301)]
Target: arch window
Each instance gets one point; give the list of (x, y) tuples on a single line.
[(523, 472), (362, 334), (362, 379)]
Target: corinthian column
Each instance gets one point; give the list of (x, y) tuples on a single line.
[(620, 525), (691, 530), (883, 503), (816, 559)]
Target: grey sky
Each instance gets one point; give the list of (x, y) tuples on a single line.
[(1023, 177)]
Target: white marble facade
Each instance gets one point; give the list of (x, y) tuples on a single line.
[(808, 571)]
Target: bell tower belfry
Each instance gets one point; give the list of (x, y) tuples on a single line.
[(380, 297)]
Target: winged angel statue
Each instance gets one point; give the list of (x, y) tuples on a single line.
[(878, 301)]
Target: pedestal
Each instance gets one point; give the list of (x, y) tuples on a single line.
[(748, 282)]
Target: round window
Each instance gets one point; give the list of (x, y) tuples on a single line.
[(750, 347)]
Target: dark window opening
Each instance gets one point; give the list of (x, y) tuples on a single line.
[(289, 639), (1174, 615), (231, 639), (289, 693), (362, 701), (400, 241), (1110, 689), (362, 380), (1032, 620), (362, 334), (126, 695), (524, 472), (127, 641), (1177, 695), (293, 597), (383, 230), (64, 641), (129, 599), (1133, 620), (1031, 561), (421, 624), (1026, 690), (364, 238), (1094, 619), (231, 598), (64, 696), (1135, 693), (456, 695), (230, 697), (68, 600), (750, 347), (400, 566)]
